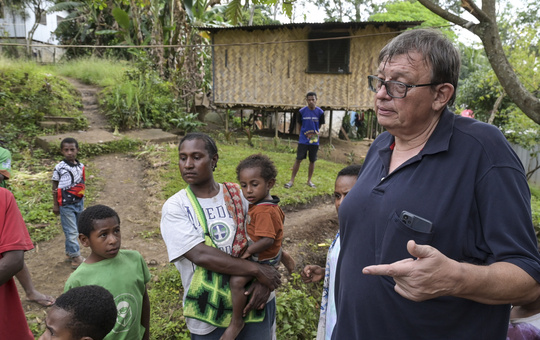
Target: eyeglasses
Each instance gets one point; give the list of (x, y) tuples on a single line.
[(395, 89)]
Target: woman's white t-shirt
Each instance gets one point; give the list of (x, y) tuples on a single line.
[(182, 231)]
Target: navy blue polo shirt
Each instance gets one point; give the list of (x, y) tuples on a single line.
[(470, 184)]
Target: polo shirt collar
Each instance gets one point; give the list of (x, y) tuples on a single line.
[(440, 138), (439, 141)]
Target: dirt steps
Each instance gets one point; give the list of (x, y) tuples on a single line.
[(98, 132)]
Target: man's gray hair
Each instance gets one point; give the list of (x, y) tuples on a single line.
[(438, 52)]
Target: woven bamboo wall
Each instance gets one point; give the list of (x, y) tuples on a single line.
[(274, 75)]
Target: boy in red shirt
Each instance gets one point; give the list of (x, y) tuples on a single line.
[(14, 241)]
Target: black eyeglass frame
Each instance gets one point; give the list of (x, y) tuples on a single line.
[(384, 82)]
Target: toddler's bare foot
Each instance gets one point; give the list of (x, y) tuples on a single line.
[(233, 330), (289, 263)]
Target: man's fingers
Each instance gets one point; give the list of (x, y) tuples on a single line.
[(418, 250), (381, 269), (399, 268)]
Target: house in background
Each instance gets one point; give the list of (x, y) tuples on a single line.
[(272, 67), (16, 23)]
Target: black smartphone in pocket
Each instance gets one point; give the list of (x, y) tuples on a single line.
[(416, 222)]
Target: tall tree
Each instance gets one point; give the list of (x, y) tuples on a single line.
[(487, 30)]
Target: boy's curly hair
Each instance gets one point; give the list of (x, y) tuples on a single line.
[(93, 213), (93, 311), (268, 169), (351, 170)]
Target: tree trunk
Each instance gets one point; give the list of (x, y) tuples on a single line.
[(251, 14), (37, 18), (496, 108)]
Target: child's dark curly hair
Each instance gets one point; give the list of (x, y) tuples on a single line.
[(93, 311), (268, 169), (69, 140), (351, 170), (93, 213)]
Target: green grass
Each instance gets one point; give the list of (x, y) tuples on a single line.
[(102, 72)]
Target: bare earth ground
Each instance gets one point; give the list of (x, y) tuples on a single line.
[(125, 183)]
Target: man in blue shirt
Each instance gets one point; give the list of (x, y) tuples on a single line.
[(455, 276), (311, 118)]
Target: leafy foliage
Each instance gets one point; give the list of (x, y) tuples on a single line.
[(166, 313), (142, 99), (187, 122), (478, 92), (346, 10), (535, 207), (261, 16), (297, 311), (412, 11), (481, 88), (31, 186)]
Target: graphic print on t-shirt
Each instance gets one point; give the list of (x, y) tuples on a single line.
[(126, 306), (222, 234)]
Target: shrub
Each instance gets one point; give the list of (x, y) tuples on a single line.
[(166, 314), (141, 100), (297, 312)]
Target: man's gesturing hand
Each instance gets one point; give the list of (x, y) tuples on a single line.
[(429, 276)]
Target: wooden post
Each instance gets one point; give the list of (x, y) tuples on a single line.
[(330, 127), (226, 120), (276, 123), (242, 118), (345, 134)]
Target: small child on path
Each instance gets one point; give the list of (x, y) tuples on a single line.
[(122, 272), (257, 175), (68, 196), (81, 313)]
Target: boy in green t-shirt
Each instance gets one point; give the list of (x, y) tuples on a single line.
[(122, 272)]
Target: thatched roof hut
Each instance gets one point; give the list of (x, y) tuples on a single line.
[(274, 66)]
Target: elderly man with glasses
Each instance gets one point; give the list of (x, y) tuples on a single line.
[(437, 237)]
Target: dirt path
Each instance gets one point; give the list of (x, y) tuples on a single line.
[(125, 183)]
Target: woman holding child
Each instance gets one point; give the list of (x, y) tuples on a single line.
[(202, 226)]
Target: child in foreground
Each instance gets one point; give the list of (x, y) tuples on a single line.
[(122, 272), (81, 313), (264, 225), (68, 197)]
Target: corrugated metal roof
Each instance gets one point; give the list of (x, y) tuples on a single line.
[(318, 25)]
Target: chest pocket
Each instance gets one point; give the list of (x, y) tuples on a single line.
[(393, 240)]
